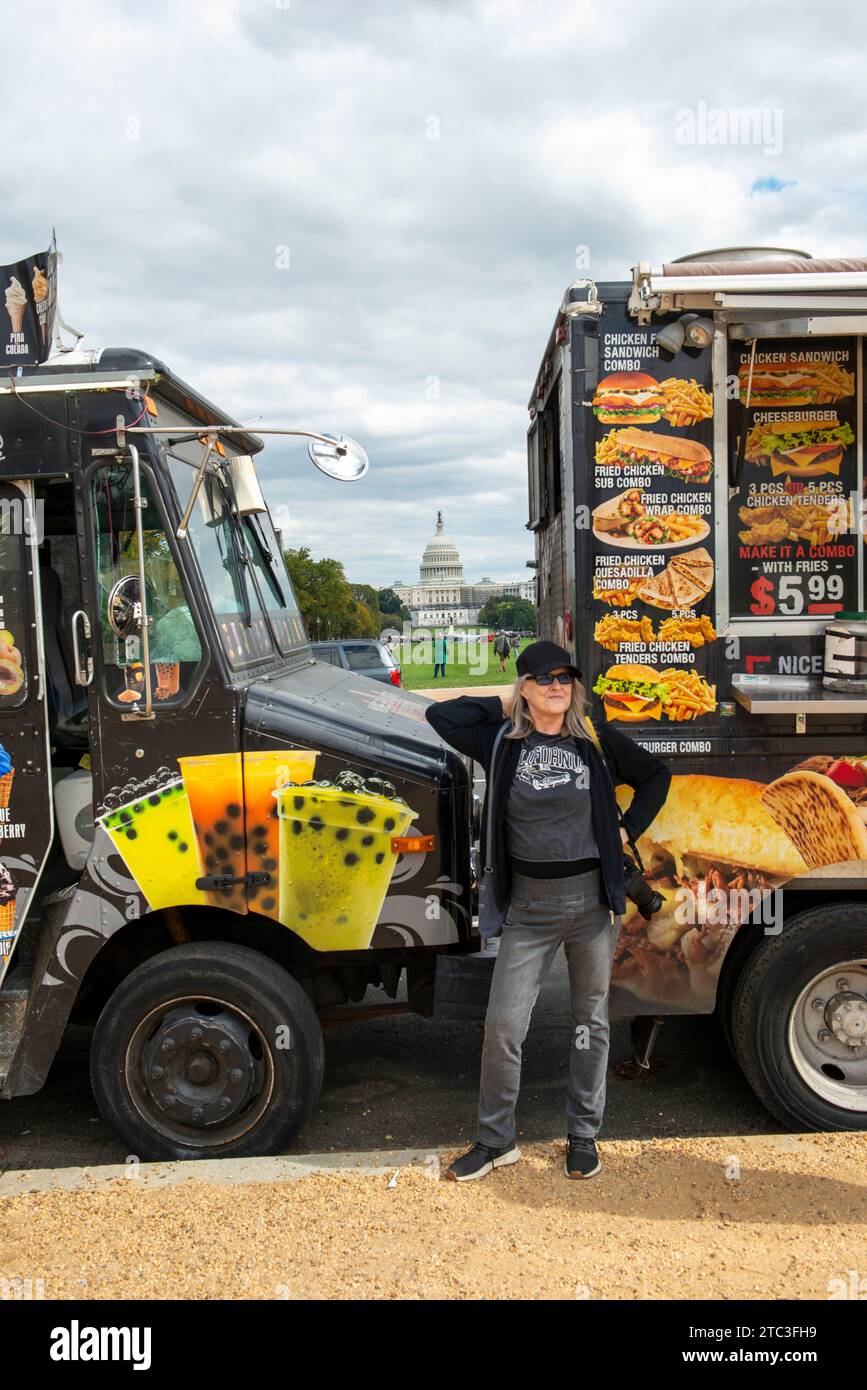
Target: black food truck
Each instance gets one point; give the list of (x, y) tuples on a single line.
[(696, 483), (211, 844)]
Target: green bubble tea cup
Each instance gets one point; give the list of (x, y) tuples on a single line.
[(336, 862)]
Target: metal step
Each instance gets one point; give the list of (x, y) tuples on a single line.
[(13, 1008)]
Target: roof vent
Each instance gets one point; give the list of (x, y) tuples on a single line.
[(744, 253)]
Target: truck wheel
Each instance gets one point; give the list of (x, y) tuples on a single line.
[(208, 1050), (799, 1019)]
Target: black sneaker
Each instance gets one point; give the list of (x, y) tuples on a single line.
[(479, 1160), (582, 1157)]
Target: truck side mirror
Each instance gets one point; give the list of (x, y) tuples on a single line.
[(124, 606)]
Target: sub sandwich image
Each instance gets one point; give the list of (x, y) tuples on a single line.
[(713, 851), (679, 457)]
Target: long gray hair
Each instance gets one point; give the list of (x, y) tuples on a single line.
[(574, 721)]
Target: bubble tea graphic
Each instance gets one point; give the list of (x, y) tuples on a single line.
[(263, 774), (336, 861), (220, 787), (153, 833)]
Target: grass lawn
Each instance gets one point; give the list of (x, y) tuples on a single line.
[(467, 663)]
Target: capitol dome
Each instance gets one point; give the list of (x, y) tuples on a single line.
[(441, 562)]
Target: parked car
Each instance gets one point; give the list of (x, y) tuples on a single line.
[(361, 654)]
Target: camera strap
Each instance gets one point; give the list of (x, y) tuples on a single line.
[(595, 737)]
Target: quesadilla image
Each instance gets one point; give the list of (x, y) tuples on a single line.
[(822, 821), (684, 582), (712, 852)]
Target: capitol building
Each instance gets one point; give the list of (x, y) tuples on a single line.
[(442, 596)]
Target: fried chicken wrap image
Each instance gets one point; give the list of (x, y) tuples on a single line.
[(715, 853)]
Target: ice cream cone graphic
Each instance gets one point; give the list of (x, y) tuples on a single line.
[(8, 892), (16, 303), (40, 297), (7, 772)]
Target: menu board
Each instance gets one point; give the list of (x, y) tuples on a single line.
[(791, 522), (651, 519)]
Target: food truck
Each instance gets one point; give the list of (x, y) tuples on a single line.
[(696, 482), (211, 844)]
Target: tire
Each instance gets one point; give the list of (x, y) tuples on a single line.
[(745, 941), (804, 1081), (208, 1050)]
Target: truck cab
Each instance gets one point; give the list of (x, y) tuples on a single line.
[(212, 843)]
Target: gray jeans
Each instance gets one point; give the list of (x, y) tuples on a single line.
[(542, 913)]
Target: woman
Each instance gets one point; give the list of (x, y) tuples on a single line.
[(558, 863), (439, 655)]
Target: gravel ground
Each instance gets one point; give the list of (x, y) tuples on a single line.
[(763, 1217)]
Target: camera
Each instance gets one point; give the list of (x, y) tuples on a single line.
[(639, 891)]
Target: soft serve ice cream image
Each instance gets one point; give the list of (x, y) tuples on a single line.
[(16, 303), (8, 893), (40, 298), (337, 856)]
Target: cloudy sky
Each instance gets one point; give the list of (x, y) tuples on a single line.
[(361, 217)]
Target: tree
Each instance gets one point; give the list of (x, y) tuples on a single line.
[(511, 614), (326, 599), (392, 609)]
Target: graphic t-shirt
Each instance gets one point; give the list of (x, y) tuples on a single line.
[(548, 814)]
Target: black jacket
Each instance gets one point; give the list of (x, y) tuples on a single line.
[(470, 723)]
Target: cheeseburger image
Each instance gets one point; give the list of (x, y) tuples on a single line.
[(712, 852), (631, 692), (804, 448), (628, 398)]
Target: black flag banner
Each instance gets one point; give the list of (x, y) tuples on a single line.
[(28, 305)]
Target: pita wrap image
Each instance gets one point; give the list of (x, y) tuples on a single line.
[(819, 816), (715, 854)]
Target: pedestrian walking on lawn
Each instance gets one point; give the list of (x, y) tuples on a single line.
[(557, 876), (502, 647), (439, 655)]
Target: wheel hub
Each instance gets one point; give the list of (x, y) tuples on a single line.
[(199, 1070), (846, 1016), (828, 1035)]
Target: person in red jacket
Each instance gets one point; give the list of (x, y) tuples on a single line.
[(557, 851)]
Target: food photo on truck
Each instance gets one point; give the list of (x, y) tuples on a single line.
[(696, 475)]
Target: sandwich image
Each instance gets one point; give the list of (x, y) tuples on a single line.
[(821, 806), (628, 398), (712, 852), (684, 582), (625, 521), (803, 449), (631, 692), (680, 458), (790, 382)]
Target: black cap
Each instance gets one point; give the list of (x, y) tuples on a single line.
[(541, 657)]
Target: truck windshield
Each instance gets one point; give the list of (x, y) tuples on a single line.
[(259, 589)]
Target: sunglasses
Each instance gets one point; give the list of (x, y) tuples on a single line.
[(563, 677)]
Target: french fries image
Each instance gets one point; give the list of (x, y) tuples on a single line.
[(619, 598), (611, 631), (689, 695), (685, 402), (695, 631)]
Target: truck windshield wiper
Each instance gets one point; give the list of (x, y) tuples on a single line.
[(239, 551), (259, 532)]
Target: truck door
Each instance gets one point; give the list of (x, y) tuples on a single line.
[(26, 824)]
